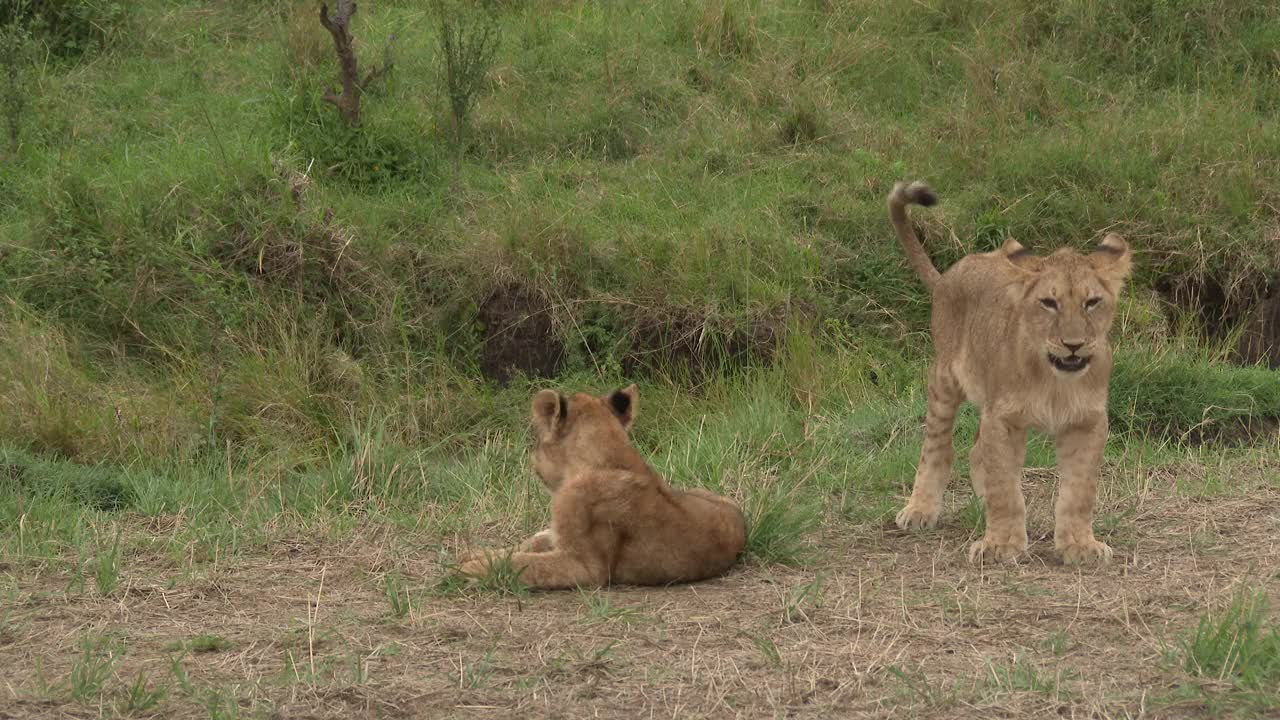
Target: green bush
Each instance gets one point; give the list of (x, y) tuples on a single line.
[(69, 28), (1187, 398)]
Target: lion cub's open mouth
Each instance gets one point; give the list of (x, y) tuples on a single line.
[(1071, 364)]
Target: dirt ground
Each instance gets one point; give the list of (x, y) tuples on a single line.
[(881, 624)]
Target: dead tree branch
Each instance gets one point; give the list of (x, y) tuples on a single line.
[(339, 26), (348, 103)]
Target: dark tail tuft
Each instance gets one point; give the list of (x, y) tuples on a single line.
[(920, 194)]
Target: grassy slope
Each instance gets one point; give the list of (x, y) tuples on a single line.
[(209, 355), (668, 184)]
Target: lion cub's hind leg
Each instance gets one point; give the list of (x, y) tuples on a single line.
[(936, 456)]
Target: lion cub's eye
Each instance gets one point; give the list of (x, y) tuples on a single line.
[(1049, 304), (1092, 303)]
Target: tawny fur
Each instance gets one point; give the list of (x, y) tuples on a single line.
[(1025, 339), (613, 519)]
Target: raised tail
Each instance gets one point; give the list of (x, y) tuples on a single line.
[(903, 195)]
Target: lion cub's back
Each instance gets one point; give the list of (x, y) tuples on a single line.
[(698, 536), (970, 299)]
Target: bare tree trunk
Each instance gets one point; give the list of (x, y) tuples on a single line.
[(348, 103)]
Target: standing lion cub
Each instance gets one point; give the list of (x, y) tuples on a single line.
[(613, 519), (1025, 339)]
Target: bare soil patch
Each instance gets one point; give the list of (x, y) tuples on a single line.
[(519, 335), (883, 624)]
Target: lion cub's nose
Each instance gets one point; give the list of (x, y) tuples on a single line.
[(1072, 347)]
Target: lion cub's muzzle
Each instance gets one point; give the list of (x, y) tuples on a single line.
[(1070, 364)]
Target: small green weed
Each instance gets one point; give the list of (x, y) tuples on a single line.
[(359, 666), (397, 595), (139, 698), (802, 600), (106, 567), (475, 674), (768, 649), (1022, 676), (221, 704), (202, 643), (778, 524), (1058, 643), (1239, 647), (206, 643), (599, 607), (180, 676), (91, 671), (917, 688), (973, 515)]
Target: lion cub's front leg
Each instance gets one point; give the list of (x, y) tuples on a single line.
[(540, 542), (996, 466), (551, 570), (1079, 451)]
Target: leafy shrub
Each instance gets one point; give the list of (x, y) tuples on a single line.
[(69, 28)]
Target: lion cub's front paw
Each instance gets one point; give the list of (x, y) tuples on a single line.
[(475, 567), (989, 550), (475, 564), (913, 517), (544, 541), (1089, 552)]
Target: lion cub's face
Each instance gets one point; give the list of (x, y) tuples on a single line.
[(1069, 300), (580, 431)]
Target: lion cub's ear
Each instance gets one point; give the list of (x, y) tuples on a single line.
[(549, 410), (1013, 247), (1020, 257), (1112, 257), (624, 404)]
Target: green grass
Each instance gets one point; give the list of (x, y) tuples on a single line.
[(768, 650), (600, 606), (106, 566), (1021, 675), (914, 687), (1235, 655), (92, 670), (141, 697), (397, 595), (202, 643), (803, 600)]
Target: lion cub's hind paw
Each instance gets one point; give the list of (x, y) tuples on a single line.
[(915, 518), (986, 550), (1091, 552)]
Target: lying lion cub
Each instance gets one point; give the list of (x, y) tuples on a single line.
[(613, 519), (1025, 339)]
